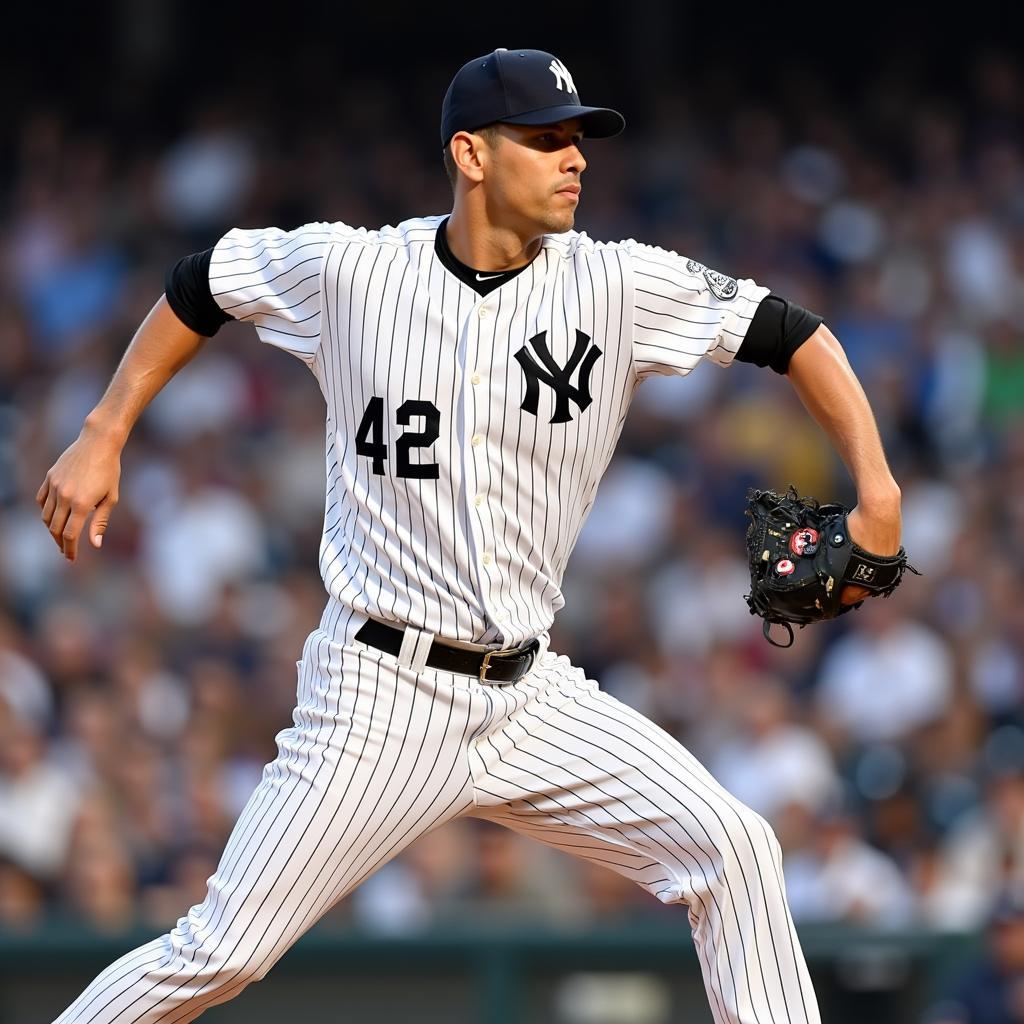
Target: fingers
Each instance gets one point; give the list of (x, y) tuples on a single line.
[(49, 507), (101, 519), (59, 523), (64, 520), (82, 480), (51, 512), (851, 595), (72, 531), (65, 517)]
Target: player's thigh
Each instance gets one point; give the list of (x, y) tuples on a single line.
[(376, 757), (589, 775), (585, 773)]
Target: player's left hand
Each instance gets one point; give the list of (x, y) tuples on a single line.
[(811, 561), (876, 530)]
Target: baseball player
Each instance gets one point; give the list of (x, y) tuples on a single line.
[(476, 371)]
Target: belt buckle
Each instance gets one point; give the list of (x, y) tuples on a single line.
[(529, 649), (485, 665)]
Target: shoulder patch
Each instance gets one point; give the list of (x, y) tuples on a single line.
[(721, 286)]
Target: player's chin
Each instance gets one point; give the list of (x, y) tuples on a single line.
[(560, 220)]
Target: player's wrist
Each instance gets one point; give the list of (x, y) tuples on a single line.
[(880, 499), (101, 426)]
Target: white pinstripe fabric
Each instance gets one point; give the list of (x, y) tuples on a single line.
[(590, 775), (478, 553), (379, 755)]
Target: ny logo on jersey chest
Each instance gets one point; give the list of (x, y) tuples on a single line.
[(558, 378)]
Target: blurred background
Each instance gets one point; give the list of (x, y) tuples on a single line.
[(871, 169)]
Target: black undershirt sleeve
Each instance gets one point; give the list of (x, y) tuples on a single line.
[(187, 287), (778, 329)]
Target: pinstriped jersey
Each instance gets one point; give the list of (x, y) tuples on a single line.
[(467, 434)]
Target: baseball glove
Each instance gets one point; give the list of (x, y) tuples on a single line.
[(801, 557)]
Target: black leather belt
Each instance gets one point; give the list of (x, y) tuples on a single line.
[(488, 667)]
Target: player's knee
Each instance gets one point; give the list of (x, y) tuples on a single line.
[(234, 970), (750, 837), (207, 949), (759, 825), (246, 962)]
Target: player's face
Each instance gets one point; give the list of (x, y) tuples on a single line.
[(533, 176)]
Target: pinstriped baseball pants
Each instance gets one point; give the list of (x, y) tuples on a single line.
[(379, 754)]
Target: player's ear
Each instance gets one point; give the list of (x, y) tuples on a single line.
[(467, 152)]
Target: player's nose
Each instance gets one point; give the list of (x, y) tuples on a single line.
[(573, 159)]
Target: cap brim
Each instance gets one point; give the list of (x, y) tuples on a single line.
[(598, 122)]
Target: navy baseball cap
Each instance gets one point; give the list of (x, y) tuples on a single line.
[(519, 87)]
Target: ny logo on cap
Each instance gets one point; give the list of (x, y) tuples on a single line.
[(562, 77)]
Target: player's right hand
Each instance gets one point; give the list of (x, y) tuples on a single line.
[(85, 478)]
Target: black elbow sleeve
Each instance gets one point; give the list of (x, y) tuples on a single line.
[(187, 287), (778, 329)]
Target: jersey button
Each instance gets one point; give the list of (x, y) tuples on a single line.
[(477, 438), (487, 558), (475, 378), (478, 500), (483, 313)]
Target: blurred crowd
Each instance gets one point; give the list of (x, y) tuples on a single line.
[(141, 689)]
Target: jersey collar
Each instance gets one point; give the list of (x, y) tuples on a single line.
[(482, 282)]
